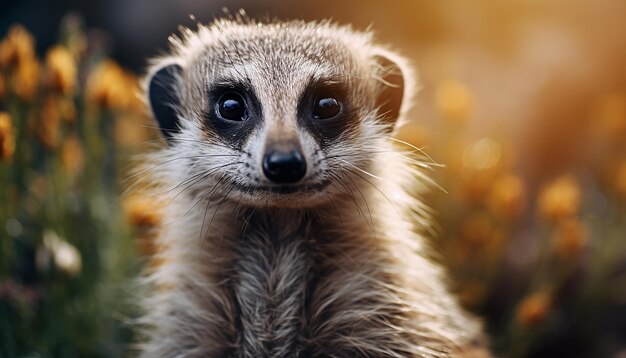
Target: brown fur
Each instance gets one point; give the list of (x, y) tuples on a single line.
[(336, 271)]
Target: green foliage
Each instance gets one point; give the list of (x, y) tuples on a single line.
[(67, 257)]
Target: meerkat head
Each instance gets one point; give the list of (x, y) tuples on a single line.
[(276, 114)]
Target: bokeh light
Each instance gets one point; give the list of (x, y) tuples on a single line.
[(522, 102)]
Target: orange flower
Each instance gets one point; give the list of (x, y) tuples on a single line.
[(7, 139), (25, 80), (454, 100), (508, 197), (533, 309), (18, 46), (109, 86), (570, 238), (72, 159), (61, 70), (560, 199), (49, 129)]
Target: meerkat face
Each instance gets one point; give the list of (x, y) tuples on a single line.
[(282, 114)]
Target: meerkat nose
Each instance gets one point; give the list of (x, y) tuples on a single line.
[(284, 167)]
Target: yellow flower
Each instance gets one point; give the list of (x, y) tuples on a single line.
[(560, 199), (109, 86), (7, 54), (49, 125), (7, 139), (454, 100), (508, 197), (72, 159), (25, 80), (18, 46), (533, 309), (570, 238), (61, 70)]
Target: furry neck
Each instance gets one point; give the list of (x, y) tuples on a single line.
[(274, 272), (299, 280)]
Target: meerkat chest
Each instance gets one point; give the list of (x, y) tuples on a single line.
[(274, 275), (302, 289)]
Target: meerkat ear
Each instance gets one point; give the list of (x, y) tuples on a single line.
[(163, 86), (396, 82)]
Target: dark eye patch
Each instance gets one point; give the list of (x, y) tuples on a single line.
[(325, 111), (233, 112)]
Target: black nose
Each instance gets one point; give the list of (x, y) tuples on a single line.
[(284, 167)]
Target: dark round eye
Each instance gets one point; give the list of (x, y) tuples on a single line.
[(231, 106), (325, 108)]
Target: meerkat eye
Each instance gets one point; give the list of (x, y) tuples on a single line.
[(325, 108), (231, 106)]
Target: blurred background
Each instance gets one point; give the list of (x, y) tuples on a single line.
[(523, 101)]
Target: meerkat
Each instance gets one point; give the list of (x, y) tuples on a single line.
[(293, 225)]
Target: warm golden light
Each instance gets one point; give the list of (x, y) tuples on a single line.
[(482, 154)]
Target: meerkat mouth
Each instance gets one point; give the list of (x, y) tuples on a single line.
[(283, 189)]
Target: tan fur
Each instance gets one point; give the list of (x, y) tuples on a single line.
[(343, 272)]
